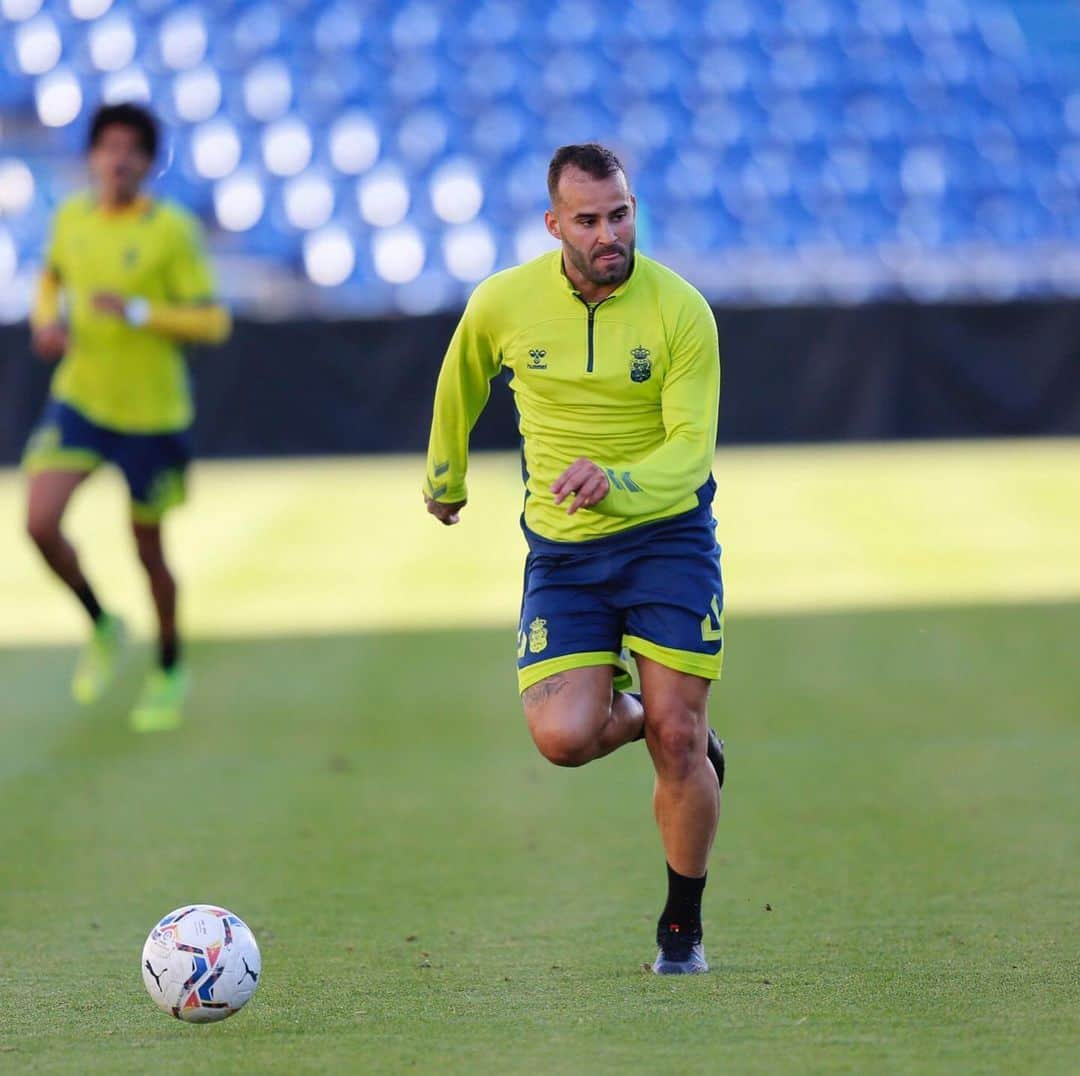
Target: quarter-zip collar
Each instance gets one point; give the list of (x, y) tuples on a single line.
[(568, 284)]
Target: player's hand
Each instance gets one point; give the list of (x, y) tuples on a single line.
[(109, 302), (446, 514), (585, 481), (50, 341)]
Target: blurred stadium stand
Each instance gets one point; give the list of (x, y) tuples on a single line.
[(362, 157)]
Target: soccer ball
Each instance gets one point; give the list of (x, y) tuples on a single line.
[(201, 963)]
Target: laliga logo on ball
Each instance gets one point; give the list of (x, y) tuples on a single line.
[(201, 964)]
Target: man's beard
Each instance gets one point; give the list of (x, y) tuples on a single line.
[(615, 274)]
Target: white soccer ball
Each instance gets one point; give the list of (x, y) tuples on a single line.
[(201, 963)]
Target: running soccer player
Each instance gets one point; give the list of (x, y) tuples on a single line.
[(614, 364), (125, 284)]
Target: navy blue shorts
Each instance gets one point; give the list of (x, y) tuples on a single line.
[(654, 590), (153, 464)]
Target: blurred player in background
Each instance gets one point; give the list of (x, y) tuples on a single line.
[(126, 283), (615, 369)]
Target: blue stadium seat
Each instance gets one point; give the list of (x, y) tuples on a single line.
[(772, 124)]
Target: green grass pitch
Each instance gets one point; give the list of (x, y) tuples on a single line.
[(895, 885)]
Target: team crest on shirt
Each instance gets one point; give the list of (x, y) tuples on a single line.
[(538, 635), (640, 364)]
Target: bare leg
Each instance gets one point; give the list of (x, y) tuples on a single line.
[(686, 796), (162, 585), (49, 494), (576, 716)]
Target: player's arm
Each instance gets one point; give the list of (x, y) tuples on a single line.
[(203, 322), (48, 334), (464, 384), (689, 403), (191, 314)]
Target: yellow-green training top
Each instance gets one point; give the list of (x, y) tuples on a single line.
[(127, 378), (631, 382)]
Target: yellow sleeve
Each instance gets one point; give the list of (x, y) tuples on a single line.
[(189, 277), (46, 308), (190, 313), (464, 384), (54, 249), (689, 402), (191, 323)]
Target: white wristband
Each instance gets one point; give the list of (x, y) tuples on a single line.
[(137, 311)]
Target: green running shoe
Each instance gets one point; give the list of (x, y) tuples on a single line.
[(161, 705), (99, 661)]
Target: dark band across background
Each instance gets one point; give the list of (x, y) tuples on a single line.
[(874, 372)]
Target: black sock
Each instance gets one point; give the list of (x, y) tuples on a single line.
[(682, 913), (89, 602), (641, 734), (169, 652)]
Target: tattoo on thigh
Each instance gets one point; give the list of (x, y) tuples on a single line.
[(543, 691)]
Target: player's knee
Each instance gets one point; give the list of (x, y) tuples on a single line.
[(677, 740), (563, 744)]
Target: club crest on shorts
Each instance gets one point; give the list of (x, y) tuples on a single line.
[(538, 635), (640, 364)]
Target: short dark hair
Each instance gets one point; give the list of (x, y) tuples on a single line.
[(139, 119), (592, 158)]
